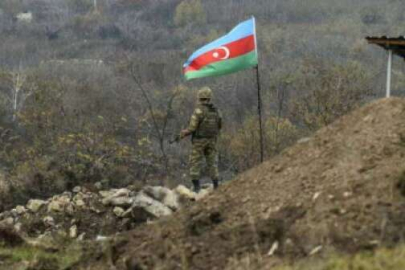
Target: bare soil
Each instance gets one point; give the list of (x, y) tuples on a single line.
[(341, 190)]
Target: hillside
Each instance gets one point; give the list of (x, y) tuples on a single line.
[(338, 191)]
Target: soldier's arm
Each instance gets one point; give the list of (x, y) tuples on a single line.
[(194, 121)]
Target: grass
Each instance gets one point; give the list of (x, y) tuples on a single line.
[(382, 259), (64, 258)]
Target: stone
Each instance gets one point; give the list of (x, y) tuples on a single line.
[(315, 250), (105, 193), (80, 196), (98, 185), (316, 196), (163, 195), (273, 249), (70, 209), (80, 203), (121, 193), (55, 206), (118, 201), (77, 189), (185, 193), (81, 236), (114, 193), (73, 231), (49, 221), (18, 227), (7, 222), (101, 238), (59, 203), (66, 195), (118, 211), (155, 208), (20, 209), (14, 213)]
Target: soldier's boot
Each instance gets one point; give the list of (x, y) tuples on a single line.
[(196, 185), (215, 182)]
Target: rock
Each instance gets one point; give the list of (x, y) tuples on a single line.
[(315, 250), (18, 227), (105, 193), (347, 194), (118, 211), (101, 238), (14, 213), (70, 209), (115, 193), (316, 195), (7, 222), (81, 236), (49, 221), (120, 201), (66, 196), (122, 192), (116, 197), (127, 212), (73, 232), (98, 185), (59, 203), (55, 206), (77, 189), (304, 140), (163, 195), (273, 249), (20, 210), (80, 196), (155, 208), (80, 203), (185, 193)]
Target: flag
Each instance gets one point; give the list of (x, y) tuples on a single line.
[(233, 52)]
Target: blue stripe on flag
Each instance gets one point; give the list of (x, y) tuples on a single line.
[(240, 31)]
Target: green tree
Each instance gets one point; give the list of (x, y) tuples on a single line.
[(189, 11)]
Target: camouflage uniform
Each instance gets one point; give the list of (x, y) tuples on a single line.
[(205, 124), (204, 145)]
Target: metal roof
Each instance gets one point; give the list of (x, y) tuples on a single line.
[(396, 44)]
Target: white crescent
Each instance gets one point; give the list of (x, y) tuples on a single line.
[(227, 53)]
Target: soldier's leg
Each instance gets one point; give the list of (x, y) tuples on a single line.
[(196, 163), (211, 155)]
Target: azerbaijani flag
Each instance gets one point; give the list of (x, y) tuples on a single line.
[(231, 53)]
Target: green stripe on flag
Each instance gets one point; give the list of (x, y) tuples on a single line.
[(225, 67)]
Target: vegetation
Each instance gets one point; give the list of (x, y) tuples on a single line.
[(381, 259), (92, 90), (26, 257)]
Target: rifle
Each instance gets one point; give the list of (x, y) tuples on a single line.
[(175, 139)]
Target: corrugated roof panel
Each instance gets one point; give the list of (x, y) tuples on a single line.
[(396, 44)]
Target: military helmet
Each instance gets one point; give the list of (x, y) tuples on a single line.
[(204, 93)]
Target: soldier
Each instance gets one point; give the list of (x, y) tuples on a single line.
[(204, 127)]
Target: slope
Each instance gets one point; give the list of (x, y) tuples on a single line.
[(340, 190)]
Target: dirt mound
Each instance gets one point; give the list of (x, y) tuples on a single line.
[(342, 189)]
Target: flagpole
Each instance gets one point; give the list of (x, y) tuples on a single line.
[(259, 109), (259, 97)]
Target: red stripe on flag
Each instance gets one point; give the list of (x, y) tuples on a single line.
[(230, 50)]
